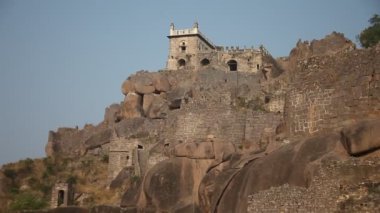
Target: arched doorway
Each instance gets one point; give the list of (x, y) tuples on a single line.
[(205, 62), (181, 63), (232, 64), (61, 197)]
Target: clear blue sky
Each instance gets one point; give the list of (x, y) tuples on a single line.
[(62, 62)]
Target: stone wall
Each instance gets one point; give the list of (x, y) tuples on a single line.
[(248, 60), (312, 109), (247, 129), (121, 155), (260, 129), (223, 122), (331, 90), (62, 195)]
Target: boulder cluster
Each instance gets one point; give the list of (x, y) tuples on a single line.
[(145, 95)]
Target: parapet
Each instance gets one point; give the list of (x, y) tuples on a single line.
[(189, 32)]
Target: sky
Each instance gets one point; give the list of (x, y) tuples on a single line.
[(63, 62)]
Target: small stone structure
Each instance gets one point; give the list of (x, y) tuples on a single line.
[(190, 49), (62, 195), (123, 153)]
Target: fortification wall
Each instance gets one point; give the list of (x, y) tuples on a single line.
[(331, 90), (260, 129), (196, 123)]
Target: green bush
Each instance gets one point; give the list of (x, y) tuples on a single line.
[(10, 173), (71, 180), (28, 164), (49, 166), (28, 201), (370, 36)]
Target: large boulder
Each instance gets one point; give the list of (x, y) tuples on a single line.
[(127, 87), (112, 114), (144, 84), (132, 106), (361, 138), (175, 96), (225, 188), (155, 106), (161, 83), (98, 139), (172, 185)]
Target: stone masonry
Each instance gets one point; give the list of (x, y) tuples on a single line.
[(324, 96), (62, 195), (190, 49)]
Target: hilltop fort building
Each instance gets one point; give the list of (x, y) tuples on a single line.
[(190, 49)]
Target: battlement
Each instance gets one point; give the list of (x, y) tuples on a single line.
[(190, 49), (229, 49), (194, 31), (190, 31)]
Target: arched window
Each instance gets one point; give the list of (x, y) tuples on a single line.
[(205, 62), (232, 64), (182, 46), (181, 63)]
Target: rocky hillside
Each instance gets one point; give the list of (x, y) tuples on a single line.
[(302, 134)]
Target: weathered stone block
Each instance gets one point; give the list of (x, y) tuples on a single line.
[(161, 83), (361, 138), (132, 105), (127, 87), (144, 85), (155, 106)]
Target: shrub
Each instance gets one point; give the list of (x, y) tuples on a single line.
[(28, 201), (71, 180), (28, 164), (105, 158), (10, 173), (370, 36)]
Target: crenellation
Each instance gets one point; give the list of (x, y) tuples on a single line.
[(190, 49)]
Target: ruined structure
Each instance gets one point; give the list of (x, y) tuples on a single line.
[(190, 49), (62, 195)]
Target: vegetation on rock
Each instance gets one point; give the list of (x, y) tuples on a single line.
[(370, 36)]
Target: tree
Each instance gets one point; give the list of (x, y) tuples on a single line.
[(370, 36)]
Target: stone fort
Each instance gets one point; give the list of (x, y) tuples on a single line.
[(189, 48), (211, 102)]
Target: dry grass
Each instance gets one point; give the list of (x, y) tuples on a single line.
[(89, 174)]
